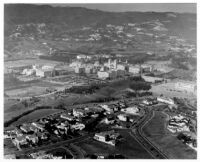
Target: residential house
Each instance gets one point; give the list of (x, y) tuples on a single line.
[(79, 112), (122, 117), (78, 126), (108, 137), (165, 100), (33, 138), (38, 126), (67, 117), (131, 110), (26, 128), (20, 141)]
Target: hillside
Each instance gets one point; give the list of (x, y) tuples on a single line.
[(42, 29)]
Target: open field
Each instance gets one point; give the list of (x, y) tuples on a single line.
[(19, 63), (26, 92), (36, 115), (13, 108), (155, 130), (11, 83), (166, 90), (129, 147)]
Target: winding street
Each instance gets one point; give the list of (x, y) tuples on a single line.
[(137, 133)]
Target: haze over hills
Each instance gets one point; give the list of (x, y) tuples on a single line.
[(77, 17), (32, 30)]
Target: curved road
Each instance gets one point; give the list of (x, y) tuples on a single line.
[(145, 142)]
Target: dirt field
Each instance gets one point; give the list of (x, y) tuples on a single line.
[(156, 131)]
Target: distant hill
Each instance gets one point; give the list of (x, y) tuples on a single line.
[(74, 17), (42, 30)]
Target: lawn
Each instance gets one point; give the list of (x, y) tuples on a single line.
[(13, 108), (156, 131)]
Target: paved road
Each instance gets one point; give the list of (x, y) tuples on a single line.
[(153, 150), (53, 145)]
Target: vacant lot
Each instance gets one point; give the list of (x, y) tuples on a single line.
[(156, 131)]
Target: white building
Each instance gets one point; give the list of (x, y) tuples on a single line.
[(28, 72), (178, 124), (122, 117), (134, 69), (75, 64), (35, 67), (19, 141), (122, 67), (81, 56), (67, 117), (45, 67), (38, 126), (131, 110), (78, 126), (108, 137), (147, 68), (107, 108), (165, 100), (78, 112), (96, 64), (152, 79), (111, 64), (103, 74), (45, 72)]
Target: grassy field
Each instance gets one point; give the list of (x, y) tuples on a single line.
[(167, 90), (60, 152), (25, 62), (13, 108), (36, 115), (26, 92), (156, 131), (130, 148)]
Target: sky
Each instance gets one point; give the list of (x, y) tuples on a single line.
[(144, 7)]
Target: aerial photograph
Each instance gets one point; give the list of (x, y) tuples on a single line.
[(100, 81)]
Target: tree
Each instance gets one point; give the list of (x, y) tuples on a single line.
[(139, 85), (146, 86), (136, 86), (107, 92)]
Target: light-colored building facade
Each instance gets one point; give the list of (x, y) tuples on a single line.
[(152, 79), (79, 70), (134, 69), (45, 72), (165, 100), (103, 74)]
